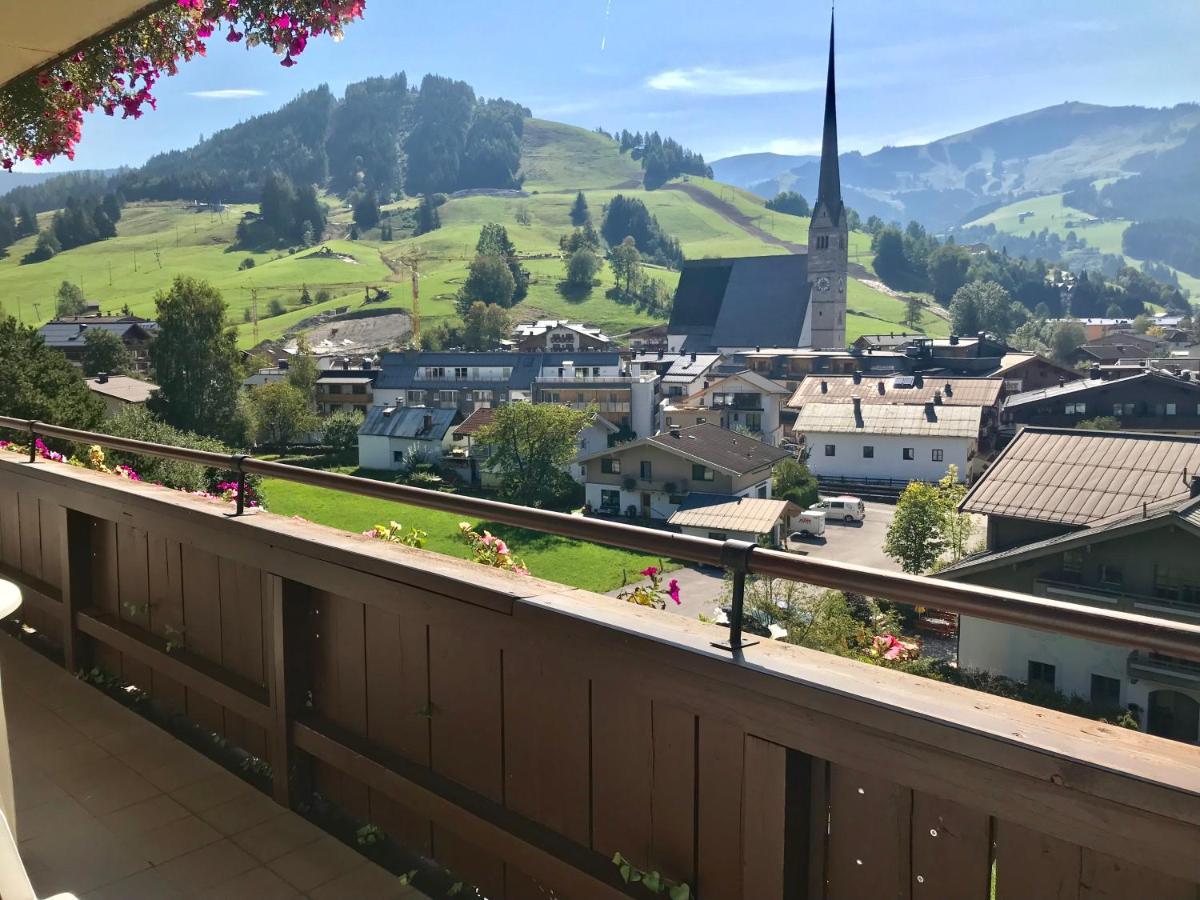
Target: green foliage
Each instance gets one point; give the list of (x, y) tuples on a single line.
[(283, 413), (485, 326), (366, 210), (341, 431), (493, 241), (531, 444), (662, 159), (582, 267), (652, 881), (427, 216), (790, 203), (915, 537), (38, 383), (247, 263), (303, 370), (195, 360), (489, 280), (792, 480), (393, 533), (580, 214), (1099, 423), (105, 352), (625, 259), (275, 307), (628, 217), (68, 300), (47, 247), (948, 266), (287, 215), (985, 306)]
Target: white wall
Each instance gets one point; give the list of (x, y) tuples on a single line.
[(660, 504), (643, 408), (888, 462), (374, 452)]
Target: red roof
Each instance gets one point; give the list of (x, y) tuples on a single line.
[(476, 420)]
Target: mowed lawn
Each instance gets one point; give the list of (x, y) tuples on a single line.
[(574, 563)]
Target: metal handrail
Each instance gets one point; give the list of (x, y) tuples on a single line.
[(1105, 625)]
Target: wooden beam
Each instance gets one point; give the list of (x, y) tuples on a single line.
[(236, 694)]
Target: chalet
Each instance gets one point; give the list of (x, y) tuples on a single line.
[(391, 435), (1030, 372), (558, 336), (652, 477), (69, 336), (722, 518), (745, 402), (1148, 401)]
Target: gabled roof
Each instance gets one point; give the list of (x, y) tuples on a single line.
[(1074, 477), (122, 387), (62, 335), (720, 448), (748, 301), (690, 366), (408, 422), (1012, 361), (1181, 513), (928, 420), (749, 376), (1150, 378), (721, 512), (898, 389), (480, 418)]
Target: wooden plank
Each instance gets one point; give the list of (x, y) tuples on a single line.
[(622, 767), (764, 819), (202, 627), (105, 590), (165, 588), (346, 624), (815, 864), (1032, 864), (195, 672), (52, 519), (75, 552), (719, 766), (546, 740), (475, 819), (10, 528), (397, 678), (242, 643), (470, 862), (29, 523), (951, 850), (1105, 877), (673, 793), (133, 580), (869, 820)]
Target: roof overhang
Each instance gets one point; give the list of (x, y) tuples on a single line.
[(33, 37)]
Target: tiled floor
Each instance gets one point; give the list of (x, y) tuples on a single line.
[(111, 807)]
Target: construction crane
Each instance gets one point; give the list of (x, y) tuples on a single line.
[(411, 259)]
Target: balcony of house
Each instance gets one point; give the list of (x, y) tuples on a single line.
[(743, 402), (1165, 669), (505, 732), (1167, 601)]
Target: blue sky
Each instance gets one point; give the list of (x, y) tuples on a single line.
[(721, 77)]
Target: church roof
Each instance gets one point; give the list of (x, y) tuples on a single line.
[(751, 301), (829, 187)]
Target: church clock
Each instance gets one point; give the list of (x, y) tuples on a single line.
[(823, 283)]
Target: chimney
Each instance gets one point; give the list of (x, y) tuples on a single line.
[(949, 389), (930, 412), (919, 380), (858, 407), (388, 410), (954, 340), (101, 378), (882, 389), (675, 432), (1096, 373), (824, 386), (937, 398), (693, 357), (1062, 380), (858, 376)]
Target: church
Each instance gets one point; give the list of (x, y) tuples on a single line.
[(796, 300)]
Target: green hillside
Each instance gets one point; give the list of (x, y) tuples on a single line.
[(158, 240)]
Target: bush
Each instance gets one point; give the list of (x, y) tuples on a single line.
[(247, 263), (341, 431)]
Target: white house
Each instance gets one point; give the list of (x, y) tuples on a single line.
[(746, 401), (390, 434), (120, 391), (901, 443)]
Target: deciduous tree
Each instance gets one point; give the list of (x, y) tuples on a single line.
[(915, 539), (38, 383), (105, 352), (68, 300), (283, 413), (531, 445)]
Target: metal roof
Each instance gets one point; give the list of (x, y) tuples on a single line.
[(399, 370), (1089, 384), (706, 443), (749, 377), (408, 422), (721, 512), (917, 420), (1077, 477), (62, 334), (898, 389)]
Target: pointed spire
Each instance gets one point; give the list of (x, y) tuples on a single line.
[(829, 190)]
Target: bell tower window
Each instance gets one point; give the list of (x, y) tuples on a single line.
[(823, 242)]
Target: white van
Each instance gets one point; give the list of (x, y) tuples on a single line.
[(848, 509), (810, 523)]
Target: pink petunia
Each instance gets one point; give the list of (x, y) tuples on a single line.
[(650, 571), (673, 591)]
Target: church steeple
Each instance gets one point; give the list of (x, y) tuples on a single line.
[(829, 190)]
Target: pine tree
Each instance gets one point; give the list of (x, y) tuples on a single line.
[(26, 221), (579, 211)]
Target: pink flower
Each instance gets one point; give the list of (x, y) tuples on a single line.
[(500, 547), (673, 591), (287, 62), (650, 571)]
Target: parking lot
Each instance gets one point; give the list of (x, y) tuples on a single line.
[(861, 543)]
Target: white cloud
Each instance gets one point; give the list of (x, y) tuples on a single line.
[(730, 82), (229, 94)]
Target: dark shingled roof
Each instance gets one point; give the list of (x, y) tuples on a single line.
[(706, 443), (753, 301), (408, 422)]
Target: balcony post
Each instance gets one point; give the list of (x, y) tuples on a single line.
[(238, 460), (735, 556), (32, 441)]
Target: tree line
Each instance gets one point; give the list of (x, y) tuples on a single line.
[(662, 158)]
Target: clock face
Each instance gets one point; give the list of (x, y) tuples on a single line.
[(823, 283)]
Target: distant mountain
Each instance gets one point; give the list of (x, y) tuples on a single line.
[(956, 178), (10, 181), (754, 168)]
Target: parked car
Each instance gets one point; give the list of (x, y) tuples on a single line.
[(848, 509), (810, 523)]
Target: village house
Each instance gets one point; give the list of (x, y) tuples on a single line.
[(722, 518), (652, 477), (391, 436), (865, 442), (1030, 372), (68, 335), (118, 392), (1105, 519), (1150, 400), (744, 402), (558, 336)]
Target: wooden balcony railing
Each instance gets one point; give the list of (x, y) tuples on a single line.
[(521, 733)]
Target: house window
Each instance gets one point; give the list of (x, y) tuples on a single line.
[(550, 396), (1170, 409), (909, 453), (669, 422), (435, 372), (937, 456), (416, 398), (754, 421), (830, 450), (1106, 691), (1123, 409), (644, 469), (610, 466), (823, 242), (1041, 675), (460, 373), (1072, 563), (1110, 576), (762, 492), (358, 389), (483, 396), (868, 452), (717, 536), (448, 396), (702, 473), (583, 471), (610, 501), (397, 456), (335, 388), (1075, 409)]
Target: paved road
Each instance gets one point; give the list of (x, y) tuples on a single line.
[(702, 588)]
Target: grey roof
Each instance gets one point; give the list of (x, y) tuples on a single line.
[(898, 389), (408, 422), (1184, 513), (721, 512), (917, 420), (1075, 477), (706, 443), (748, 301), (685, 369), (122, 387), (63, 335), (399, 370), (1088, 384)]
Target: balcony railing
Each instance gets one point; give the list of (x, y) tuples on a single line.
[(523, 733), (1058, 587), (1166, 669)]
